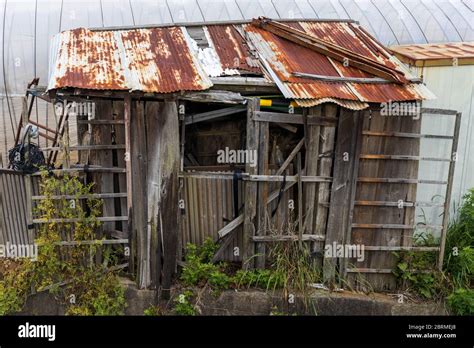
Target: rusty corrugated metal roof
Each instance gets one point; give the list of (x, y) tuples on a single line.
[(436, 54), (150, 60), (167, 59), (283, 58), (232, 49)]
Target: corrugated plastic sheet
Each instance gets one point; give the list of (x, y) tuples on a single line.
[(151, 60)]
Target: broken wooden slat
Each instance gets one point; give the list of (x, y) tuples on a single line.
[(231, 226)]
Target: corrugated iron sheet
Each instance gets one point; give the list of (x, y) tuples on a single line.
[(433, 52), (232, 49), (282, 58), (150, 60), (167, 59)]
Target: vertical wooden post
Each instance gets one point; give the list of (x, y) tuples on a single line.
[(263, 169), (139, 194), (326, 149), (300, 203), (449, 188), (311, 169), (163, 212), (181, 190), (359, 116), (127, 113), (250, 208), (339, 208)]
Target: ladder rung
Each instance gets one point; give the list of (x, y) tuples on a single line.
[(92, 195), (406, 135), (84, 170), (44, 135), (85, 148), (101, 122), (400, 181), (402, 158), (394, 226), (102, 219)]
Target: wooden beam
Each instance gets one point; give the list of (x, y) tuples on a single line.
[(324, 78), (449, 189), (211, 115), (263, 188), (231, 226), (291, 238), (276, 117), (250, 204)]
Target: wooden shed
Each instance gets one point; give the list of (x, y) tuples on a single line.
[(179, 112)]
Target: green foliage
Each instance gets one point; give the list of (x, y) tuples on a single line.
[(260, 278), (184, 304), (219, 280), (198, 267), (293, 267), (13, 287), (417, 269), (461, 302), (88, 289), (459, 252)]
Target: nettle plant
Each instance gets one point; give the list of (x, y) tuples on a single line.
[(70, 272)]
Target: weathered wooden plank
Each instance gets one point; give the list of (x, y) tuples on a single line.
[(139, 172), (311, 169), (168, 213), (263, 188), (344, 163), (404, 135), (210, 115), (250, 208), (265, 116), (293, 238), (326, 148), (449, 188)]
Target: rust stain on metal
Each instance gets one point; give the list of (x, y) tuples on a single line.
[(160, 60), (149, 60), (285, 57), (232, 49), (89, 61)]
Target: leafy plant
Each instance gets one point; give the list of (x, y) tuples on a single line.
[(184, 305), (461, 302), (260, 278), (86, 286)]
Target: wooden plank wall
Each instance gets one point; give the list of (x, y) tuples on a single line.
[(384, 192)]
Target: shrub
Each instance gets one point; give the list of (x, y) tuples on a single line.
[(461, 302)]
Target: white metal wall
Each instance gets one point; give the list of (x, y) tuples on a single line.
[(454, 88)]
